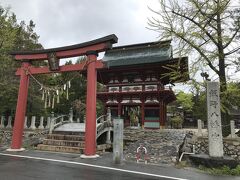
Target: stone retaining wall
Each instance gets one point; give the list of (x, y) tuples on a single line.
[(231, 146), (30, 138), (162, 145)]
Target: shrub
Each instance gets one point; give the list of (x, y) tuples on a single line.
[(176, 121)]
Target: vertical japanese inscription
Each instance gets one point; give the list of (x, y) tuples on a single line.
[(214, 120)]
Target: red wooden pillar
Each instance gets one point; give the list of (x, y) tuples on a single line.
[(164, 114), (105, 108), (142, 112), (21, 109), (161, 113), (119, 109), (90, 129)]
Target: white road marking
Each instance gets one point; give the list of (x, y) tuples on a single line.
[(92, 165)]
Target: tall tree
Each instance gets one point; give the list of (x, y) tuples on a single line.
[(13, 36), (207, 29)]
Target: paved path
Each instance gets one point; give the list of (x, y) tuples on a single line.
[(31, 165)]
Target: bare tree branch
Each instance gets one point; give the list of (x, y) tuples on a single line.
[(199, 51), (232, 51), (199, 25)]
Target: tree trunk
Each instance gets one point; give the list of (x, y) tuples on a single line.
[(224, 111), (222, 78)]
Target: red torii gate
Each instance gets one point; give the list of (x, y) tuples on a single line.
[(91, 50)]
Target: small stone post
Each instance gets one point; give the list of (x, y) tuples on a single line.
[(2, 122), (41, 123), (118, 141), (78, 120), (232, 126), (203, 124), (71, 115), (199, 124), (9, 125), (109, 116), (215, 139), (62, 119), (48, 122), (52, 123), (25, 122), (108, 141), (33, 120)]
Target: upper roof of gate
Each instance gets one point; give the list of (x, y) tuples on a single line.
[(143, 53)]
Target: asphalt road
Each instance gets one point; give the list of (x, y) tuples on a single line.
[(15, 168), (49, 166)]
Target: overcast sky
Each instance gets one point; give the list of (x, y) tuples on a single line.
[(67, 22)]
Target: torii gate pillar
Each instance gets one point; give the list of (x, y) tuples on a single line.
[(90, 128), (21, 109)]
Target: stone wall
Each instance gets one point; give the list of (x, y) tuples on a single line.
[(231, 146), (162, 145), (30, 138)]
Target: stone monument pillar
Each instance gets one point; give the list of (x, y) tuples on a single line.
[(232, 125), (215, 139), (199, 124), (117, 141)]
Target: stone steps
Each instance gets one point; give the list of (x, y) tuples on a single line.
[(68, 143), (69, 133), (66, 149), (70, 149), (65, 137)]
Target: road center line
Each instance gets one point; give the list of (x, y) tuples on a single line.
[(92, 165)]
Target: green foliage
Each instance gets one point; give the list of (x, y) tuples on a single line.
[(13, 36), (200, 107), (176, 121), (231, 97), (185, 100), (225, 170), (176, 72)]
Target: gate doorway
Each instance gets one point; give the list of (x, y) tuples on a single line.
[(132, 115)]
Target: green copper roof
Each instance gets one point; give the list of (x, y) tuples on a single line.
[(138, 54)]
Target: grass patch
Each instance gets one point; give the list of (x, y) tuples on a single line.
[(225, 170), (182, 164)]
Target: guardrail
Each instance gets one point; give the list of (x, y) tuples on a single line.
[(55, 124)]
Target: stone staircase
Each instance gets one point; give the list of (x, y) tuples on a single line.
[(69, 136), (67, 142)]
